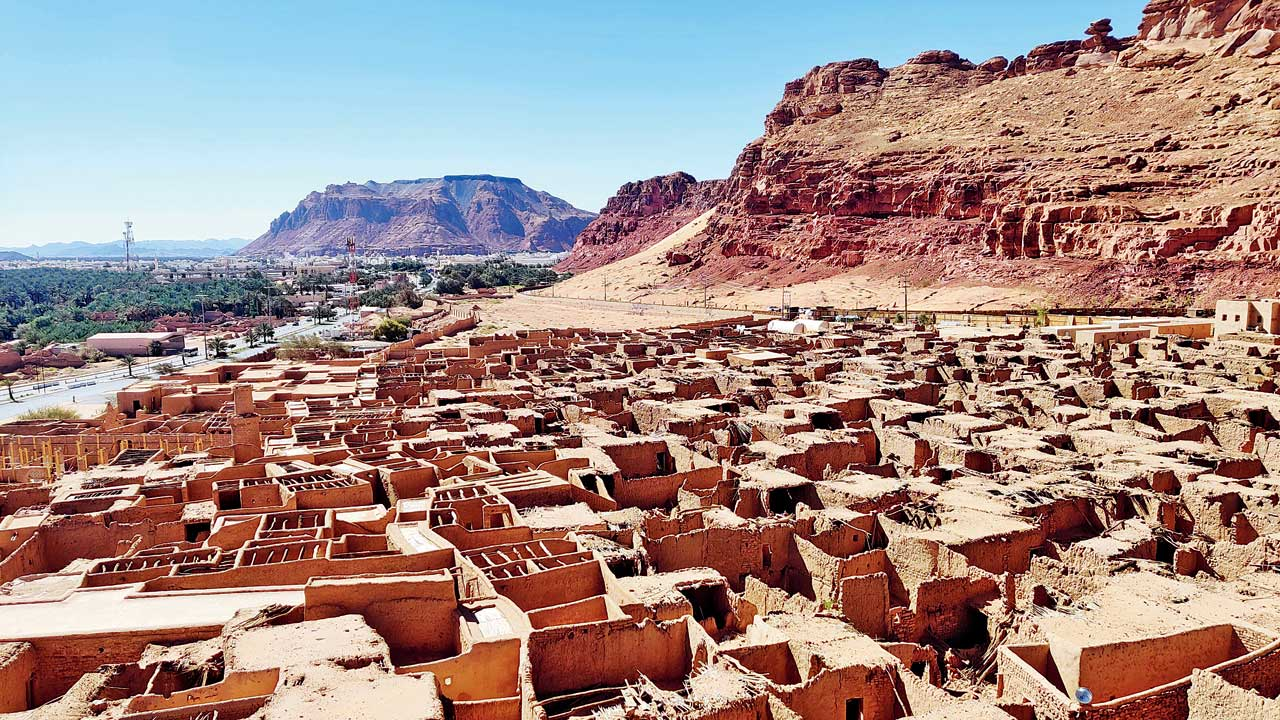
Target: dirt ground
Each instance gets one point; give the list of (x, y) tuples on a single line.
[(531, 312), (647, 277)]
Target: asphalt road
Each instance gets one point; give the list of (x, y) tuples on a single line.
[(102, 387)]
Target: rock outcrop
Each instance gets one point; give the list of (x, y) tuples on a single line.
[(639, 215), (1174, 19), (456, 214), (1105, 169)]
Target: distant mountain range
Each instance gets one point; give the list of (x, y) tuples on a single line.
[(212, 247), (454, 214)]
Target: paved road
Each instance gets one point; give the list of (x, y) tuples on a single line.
[(99, 388)]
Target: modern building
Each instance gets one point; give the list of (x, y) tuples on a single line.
[(120, 344), (1232, 316)]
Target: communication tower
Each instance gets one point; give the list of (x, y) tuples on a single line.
[(352, 276), (128, 245)]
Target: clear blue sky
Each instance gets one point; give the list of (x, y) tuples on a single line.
[(208, 119)]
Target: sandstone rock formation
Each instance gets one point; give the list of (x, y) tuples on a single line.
[(456, 214), (1142, 169), (639, 215), (1172, 19)]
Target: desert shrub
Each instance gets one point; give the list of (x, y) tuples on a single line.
[(391, 330), (309, 348), (50, 412)]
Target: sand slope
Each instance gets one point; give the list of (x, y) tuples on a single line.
[(646, 277)]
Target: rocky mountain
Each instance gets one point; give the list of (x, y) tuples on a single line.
[(455, 214), (1101, 170), (639, 215)]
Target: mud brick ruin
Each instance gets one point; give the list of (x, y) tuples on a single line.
[(711, 521)]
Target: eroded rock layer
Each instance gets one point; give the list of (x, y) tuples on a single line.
[(1154, 158), (639, 215)]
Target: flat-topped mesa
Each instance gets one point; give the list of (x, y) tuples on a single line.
[(640, 214), (455, 214), (1173, 19)]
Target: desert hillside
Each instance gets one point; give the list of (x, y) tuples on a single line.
[(1096, 171)]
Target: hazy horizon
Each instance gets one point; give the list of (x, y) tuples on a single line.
[(211, 123)]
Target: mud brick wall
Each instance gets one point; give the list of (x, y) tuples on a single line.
[(17, 669), (61, 661), (618, 652), (824, 696), (28, 558), (1168, 704), (1018, 681), (864, 602), (1261, 673)]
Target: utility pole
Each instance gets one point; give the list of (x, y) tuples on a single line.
[(352, 277), (905, 286), (205, 334), (604, 281)]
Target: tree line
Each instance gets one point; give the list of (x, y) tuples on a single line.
[(56, 305), (455, 279)]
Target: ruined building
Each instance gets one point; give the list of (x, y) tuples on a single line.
[(711, 522)]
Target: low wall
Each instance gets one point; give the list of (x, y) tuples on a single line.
[(575, 657)]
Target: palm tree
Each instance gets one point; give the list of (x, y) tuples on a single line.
[(218, 347), (266, 332), (323, 312), (129, 362), (8, 385)]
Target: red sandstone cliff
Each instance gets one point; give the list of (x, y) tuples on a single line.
[(1104, 169), (639, 215)]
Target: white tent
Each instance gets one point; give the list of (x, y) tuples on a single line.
[(803, 326)]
